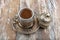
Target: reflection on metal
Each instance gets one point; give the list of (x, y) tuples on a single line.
[(25, 25), (26, 17), (44, 20), (26, 21)]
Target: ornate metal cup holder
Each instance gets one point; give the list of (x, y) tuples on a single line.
[(19, 29)]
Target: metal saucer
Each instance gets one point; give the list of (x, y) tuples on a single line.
[(17, 26)]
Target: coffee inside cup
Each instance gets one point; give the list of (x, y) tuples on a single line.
[(26, 13)]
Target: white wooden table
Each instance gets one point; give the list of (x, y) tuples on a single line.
[(9, 8)]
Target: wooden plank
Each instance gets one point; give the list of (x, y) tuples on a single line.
[(8, 8)]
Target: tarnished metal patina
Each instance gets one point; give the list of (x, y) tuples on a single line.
[(29, 20), (25, 26), (44, 20)]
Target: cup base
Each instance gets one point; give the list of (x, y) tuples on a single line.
[(32, 29)]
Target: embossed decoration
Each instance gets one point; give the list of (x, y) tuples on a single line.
[(44, 20), (18, 27)]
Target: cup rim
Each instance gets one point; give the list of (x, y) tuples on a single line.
[(25, 8)]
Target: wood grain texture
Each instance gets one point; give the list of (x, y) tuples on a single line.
[(9, 8)]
